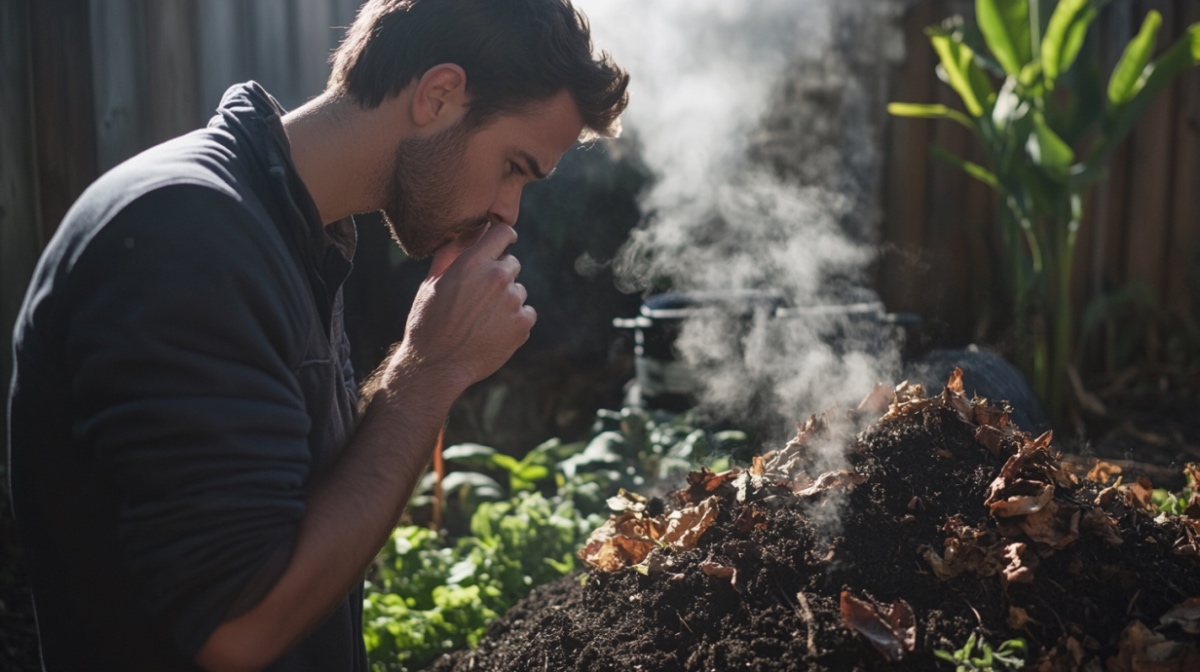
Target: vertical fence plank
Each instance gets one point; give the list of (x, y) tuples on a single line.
[(1183, 281), (945, 283), (118, 59), (63, 105), (906, 166), (172, 75), (272, 23), (315, 37), (1146, 226), (20, 233), (223, 44)]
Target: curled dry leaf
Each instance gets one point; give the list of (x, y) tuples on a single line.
[(713, 568), (1020, 498), (1056, 525), (893, 632), (627, 501), (1097, 522), (1066, 656), (685, 526), (1143, 650), (955, 382), (990, 437), (1102, 472), (878, 400), (704, 483), (1186, 614), (844, 478), (1018, 618), (1143, 494), (1019, 569)]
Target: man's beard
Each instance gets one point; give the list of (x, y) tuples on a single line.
[(423, 188)]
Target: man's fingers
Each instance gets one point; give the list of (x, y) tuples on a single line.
[(493, 243)]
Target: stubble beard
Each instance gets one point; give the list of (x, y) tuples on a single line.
[(422, 188)]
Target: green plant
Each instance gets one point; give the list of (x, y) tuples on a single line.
[(427, 596), (1047, 133), (1009, 656)]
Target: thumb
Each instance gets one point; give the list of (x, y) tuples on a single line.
[(445, 255)]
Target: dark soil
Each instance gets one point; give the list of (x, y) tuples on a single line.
[(785, 614)]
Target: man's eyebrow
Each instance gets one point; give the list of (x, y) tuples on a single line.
[(533, 165)]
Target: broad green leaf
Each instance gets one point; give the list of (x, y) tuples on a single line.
[(469, 453), (920, 111), (1065, 35), (1158, 75), (973, 169), (506, 462), (1047, 149), (1127, 76), (958, 62), (1005, 27)]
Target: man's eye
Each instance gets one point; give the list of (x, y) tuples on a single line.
[(515, 168)]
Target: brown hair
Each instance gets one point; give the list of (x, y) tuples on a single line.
[(514, 52)]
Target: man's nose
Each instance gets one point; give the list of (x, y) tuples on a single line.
[(507, 206)]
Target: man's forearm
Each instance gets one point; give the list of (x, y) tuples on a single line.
[(348, 518)]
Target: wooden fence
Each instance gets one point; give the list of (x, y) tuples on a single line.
[(1142, 224), (84, 85)]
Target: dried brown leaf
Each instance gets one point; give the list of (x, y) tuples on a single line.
[(1186, 614), (1020, 498), (955, 383), (990, 437), (1143, 493), (685, 526), (758, 468), (1102, 472), (1097, 522), (878, 400), (1018, 618), (893, 633), (844, 478), (1056, 525), (712, 568), (1020, 564)]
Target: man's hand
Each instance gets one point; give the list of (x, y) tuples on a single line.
[(470, 314)]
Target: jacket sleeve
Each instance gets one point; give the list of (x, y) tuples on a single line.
[(182, 344)]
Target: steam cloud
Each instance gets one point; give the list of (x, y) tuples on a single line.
[(759, 123)]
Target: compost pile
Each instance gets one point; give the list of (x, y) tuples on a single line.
[(942, 522)]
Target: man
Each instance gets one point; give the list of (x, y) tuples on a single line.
[(190, 478)]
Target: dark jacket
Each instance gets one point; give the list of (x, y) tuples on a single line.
[(181, 379)]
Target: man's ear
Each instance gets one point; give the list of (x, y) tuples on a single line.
[(441, 96)]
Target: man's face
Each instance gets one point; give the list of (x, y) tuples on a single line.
[(446, 189)]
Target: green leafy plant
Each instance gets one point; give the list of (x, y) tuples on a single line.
[(1176, 503), (427, 595), (977, 656), (1048, 126)]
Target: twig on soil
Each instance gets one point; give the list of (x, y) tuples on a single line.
[(684, 622), (809, 625), (978, 618)]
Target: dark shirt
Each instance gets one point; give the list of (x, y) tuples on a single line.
[(181, 380)]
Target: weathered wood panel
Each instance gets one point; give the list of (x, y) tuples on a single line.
[(20, 233), (172, 71), (1183, 258), (118, 71), (63, 103), (1146, 226)]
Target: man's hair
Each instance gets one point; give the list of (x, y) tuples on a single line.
[(514, 53)]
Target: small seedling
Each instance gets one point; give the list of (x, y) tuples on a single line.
[(978, 656)]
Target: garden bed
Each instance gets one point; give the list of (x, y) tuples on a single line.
[(944, 525)]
